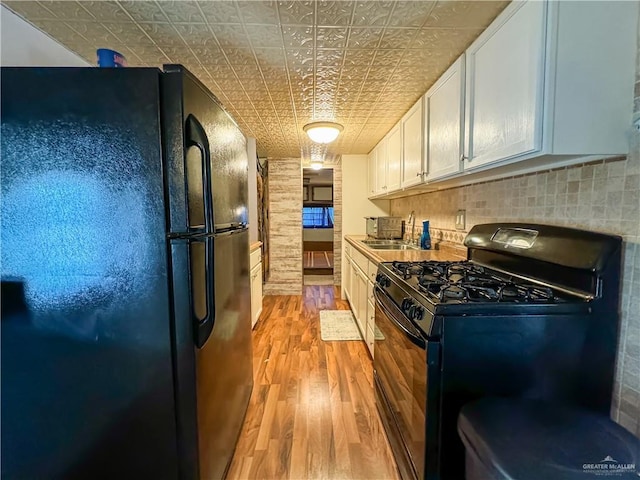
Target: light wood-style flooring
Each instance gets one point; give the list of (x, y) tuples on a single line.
[(312, 414)]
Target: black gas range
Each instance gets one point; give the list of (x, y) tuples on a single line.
[(532, 312)]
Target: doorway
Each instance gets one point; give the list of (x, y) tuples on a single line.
[(317, 226)]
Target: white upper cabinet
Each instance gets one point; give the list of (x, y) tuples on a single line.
[(550, 82), (444, 123), (412, 146), (381, 167), (371, 165), (385, 164), (394, 158), (505, 69)]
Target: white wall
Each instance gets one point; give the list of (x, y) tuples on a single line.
[(24, 45), (355, 204), (317, 234), (253, 190)]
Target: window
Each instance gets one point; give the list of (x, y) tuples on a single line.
[(317, 217)]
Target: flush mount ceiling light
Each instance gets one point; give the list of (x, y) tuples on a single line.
[(316, 165), (323, 132)]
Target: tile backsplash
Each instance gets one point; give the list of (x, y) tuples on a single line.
[(601, 196)]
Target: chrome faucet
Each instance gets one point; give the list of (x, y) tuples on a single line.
[(412, 221)]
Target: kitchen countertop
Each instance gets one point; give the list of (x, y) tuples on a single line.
[(254, 246), (451, 252)]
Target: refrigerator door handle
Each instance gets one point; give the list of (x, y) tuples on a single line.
[(203, 324), (197, 137)]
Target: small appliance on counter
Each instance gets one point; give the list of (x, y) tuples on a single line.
[(385, 227)]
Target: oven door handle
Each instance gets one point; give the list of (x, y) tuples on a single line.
[(415, 339)]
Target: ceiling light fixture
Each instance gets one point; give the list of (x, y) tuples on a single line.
[(323, 132), (316, 165)]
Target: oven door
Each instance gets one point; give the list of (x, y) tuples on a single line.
[(407, 375)]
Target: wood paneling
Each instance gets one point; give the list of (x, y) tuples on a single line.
[(312, 413), (285, 227)]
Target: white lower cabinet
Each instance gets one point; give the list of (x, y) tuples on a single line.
[(347, 278), (256, 287), (359, 281), (359, 298), (371, 327)]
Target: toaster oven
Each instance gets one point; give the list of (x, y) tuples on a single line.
[(385, 227)]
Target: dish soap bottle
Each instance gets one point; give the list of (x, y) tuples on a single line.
[(425, 238)]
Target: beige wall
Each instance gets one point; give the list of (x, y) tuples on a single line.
[(317, 234), (601, 196), (355, 192), (357, 206)]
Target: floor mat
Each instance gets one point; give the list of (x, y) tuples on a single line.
[(338, 325)]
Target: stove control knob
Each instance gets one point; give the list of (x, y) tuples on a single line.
[(384, 281), (415, 312), (407, 305)]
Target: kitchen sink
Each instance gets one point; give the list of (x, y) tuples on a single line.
[(393, 246), (383, 242)]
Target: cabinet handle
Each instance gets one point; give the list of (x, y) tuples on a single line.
[(463, 158)]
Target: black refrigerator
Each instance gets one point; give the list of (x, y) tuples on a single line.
[(126, 332)]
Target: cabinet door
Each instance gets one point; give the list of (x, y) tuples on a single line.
[(353, 299), (371, 165), (347, 278), (381, 167), (362, 303), (412, 143), (444, 119), (505, 80), (256, 293), (394, 158), (371, 327)]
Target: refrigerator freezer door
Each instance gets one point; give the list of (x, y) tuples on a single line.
[(224, 363), (229, 164), (198, 171)]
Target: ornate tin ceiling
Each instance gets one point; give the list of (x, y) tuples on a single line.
[(279, 65)]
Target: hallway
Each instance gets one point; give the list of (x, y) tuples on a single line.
[(312, 413)]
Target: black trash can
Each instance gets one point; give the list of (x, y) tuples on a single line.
[(517, 439)]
